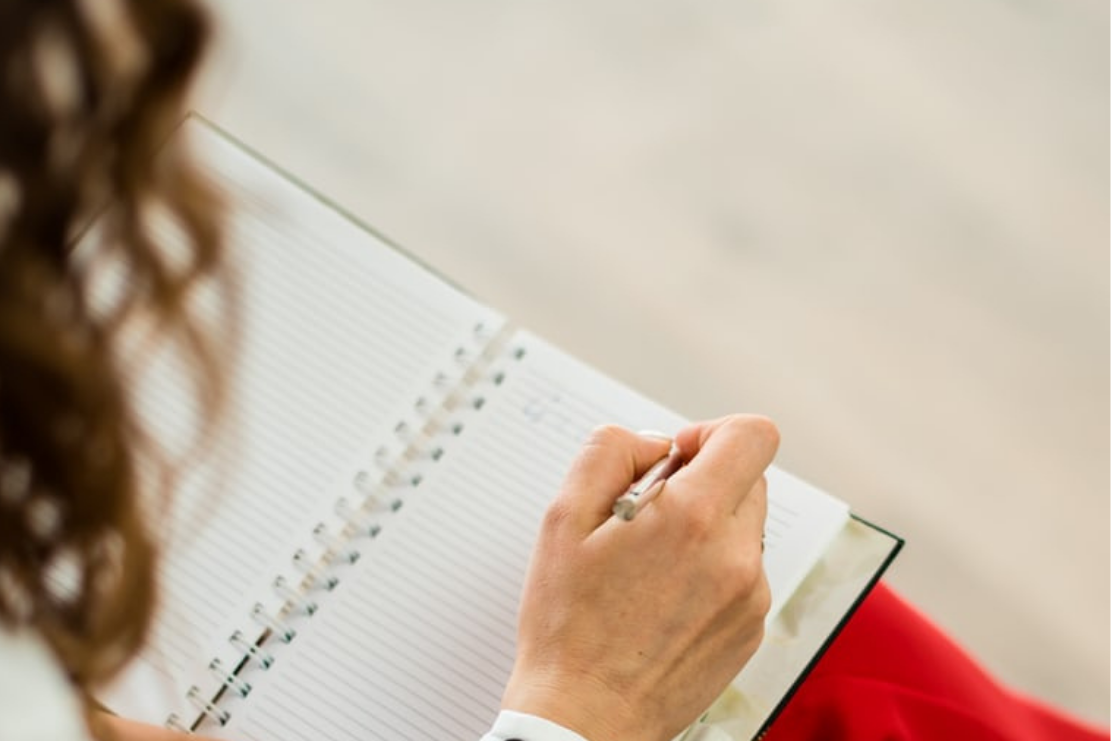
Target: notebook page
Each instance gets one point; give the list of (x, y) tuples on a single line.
[(340, 335), (419, 640)]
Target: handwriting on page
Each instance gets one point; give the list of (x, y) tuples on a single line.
[(549, 410)]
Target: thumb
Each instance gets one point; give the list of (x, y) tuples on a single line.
[(610, 461)]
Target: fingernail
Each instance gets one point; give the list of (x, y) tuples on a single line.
[(655, 435)]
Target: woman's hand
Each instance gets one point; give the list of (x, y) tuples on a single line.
[(630, 629)]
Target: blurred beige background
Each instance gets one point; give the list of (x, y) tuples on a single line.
[(883, 224)]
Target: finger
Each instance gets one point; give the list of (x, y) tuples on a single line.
[(610, 461), (726, 458)]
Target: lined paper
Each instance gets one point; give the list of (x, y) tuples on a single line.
[(418, 641), (340, 336)]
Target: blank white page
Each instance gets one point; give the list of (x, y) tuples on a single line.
[(341, 335), (418, 640)]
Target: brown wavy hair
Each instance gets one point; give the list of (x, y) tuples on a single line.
[(89, 92)]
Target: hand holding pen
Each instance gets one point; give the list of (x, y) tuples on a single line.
[(630, 629)]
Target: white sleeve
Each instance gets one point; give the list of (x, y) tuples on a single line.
[(37, 702), (512, 725)]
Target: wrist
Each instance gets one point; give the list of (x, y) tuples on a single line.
[(593, 712), (511, 725)]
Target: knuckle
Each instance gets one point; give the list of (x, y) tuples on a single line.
[(757, 428), (761, 598), (558, 514), (699, 520), (747, 573), (606, 435), (756, 630)]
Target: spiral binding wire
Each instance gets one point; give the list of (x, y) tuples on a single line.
[(174, 723), (313, 575), (251, 650), (229, 678), (376, 491), (207, 707), (293, 597), (275, 624)]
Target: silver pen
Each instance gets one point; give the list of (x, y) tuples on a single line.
[(645, 489)]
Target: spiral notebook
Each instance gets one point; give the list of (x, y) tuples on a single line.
[(347, 563)]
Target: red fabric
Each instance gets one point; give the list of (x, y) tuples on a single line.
[(893, 676)]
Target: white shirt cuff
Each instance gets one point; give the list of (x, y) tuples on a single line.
[(513, 725)]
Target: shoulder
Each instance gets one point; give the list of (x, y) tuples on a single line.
[(37, 702)]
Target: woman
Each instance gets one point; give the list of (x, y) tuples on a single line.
[(89, 90)]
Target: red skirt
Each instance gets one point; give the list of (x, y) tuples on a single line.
[(891, 675)]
